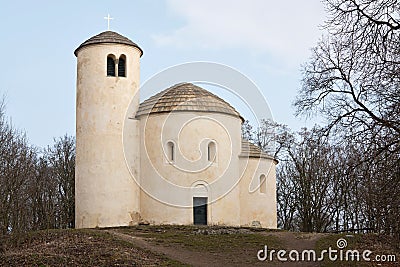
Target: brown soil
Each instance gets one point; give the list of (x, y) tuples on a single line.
[(74, 248), (166, 246), (297, 241)]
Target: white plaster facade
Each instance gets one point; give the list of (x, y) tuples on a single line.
[(150, 162)]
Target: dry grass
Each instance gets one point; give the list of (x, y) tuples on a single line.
[(213, 245), (74, 248)]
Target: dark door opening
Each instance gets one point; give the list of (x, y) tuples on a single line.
[(200, 210)]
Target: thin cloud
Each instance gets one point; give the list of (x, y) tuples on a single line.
[(286, 29)]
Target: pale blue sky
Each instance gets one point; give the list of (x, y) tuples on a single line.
[(264, 39)]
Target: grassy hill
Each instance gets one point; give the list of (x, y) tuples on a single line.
[(176, 246)]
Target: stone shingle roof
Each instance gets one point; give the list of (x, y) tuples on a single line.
[(108, 37), (185, 97), (250, 150)]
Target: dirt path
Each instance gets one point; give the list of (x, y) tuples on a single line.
[(171, 245), (296, 241), (299, 242), (187, 257)]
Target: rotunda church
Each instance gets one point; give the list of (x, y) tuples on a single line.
[(176, 158)]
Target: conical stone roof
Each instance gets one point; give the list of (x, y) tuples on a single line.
[(185, 97), (108, 37)]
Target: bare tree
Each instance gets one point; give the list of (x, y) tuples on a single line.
[(353, 79), (17, 170), (61, 159), (345, 176), (36, 189), (269, 136)]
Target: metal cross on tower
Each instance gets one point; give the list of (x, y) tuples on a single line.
[(108, 18)]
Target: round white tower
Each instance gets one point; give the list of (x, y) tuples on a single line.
[(108, 66)]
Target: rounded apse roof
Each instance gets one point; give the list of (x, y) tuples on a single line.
[(250, 150), (185, 97), (108, 37)]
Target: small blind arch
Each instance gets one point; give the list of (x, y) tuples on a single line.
[(122, 66), (111, 65), (263, 184)]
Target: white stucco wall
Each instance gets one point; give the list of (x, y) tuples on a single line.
[(255, 205), (123, 174), (105, 193), (167, 186)]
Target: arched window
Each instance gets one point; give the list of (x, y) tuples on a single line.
[(122, 66), (170, 151), (211, 152), (263, 184), (110, 66)]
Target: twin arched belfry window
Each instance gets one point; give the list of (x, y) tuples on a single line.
[(122, 66), (113, 64)]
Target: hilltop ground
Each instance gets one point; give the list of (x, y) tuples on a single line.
[(176, 246)]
